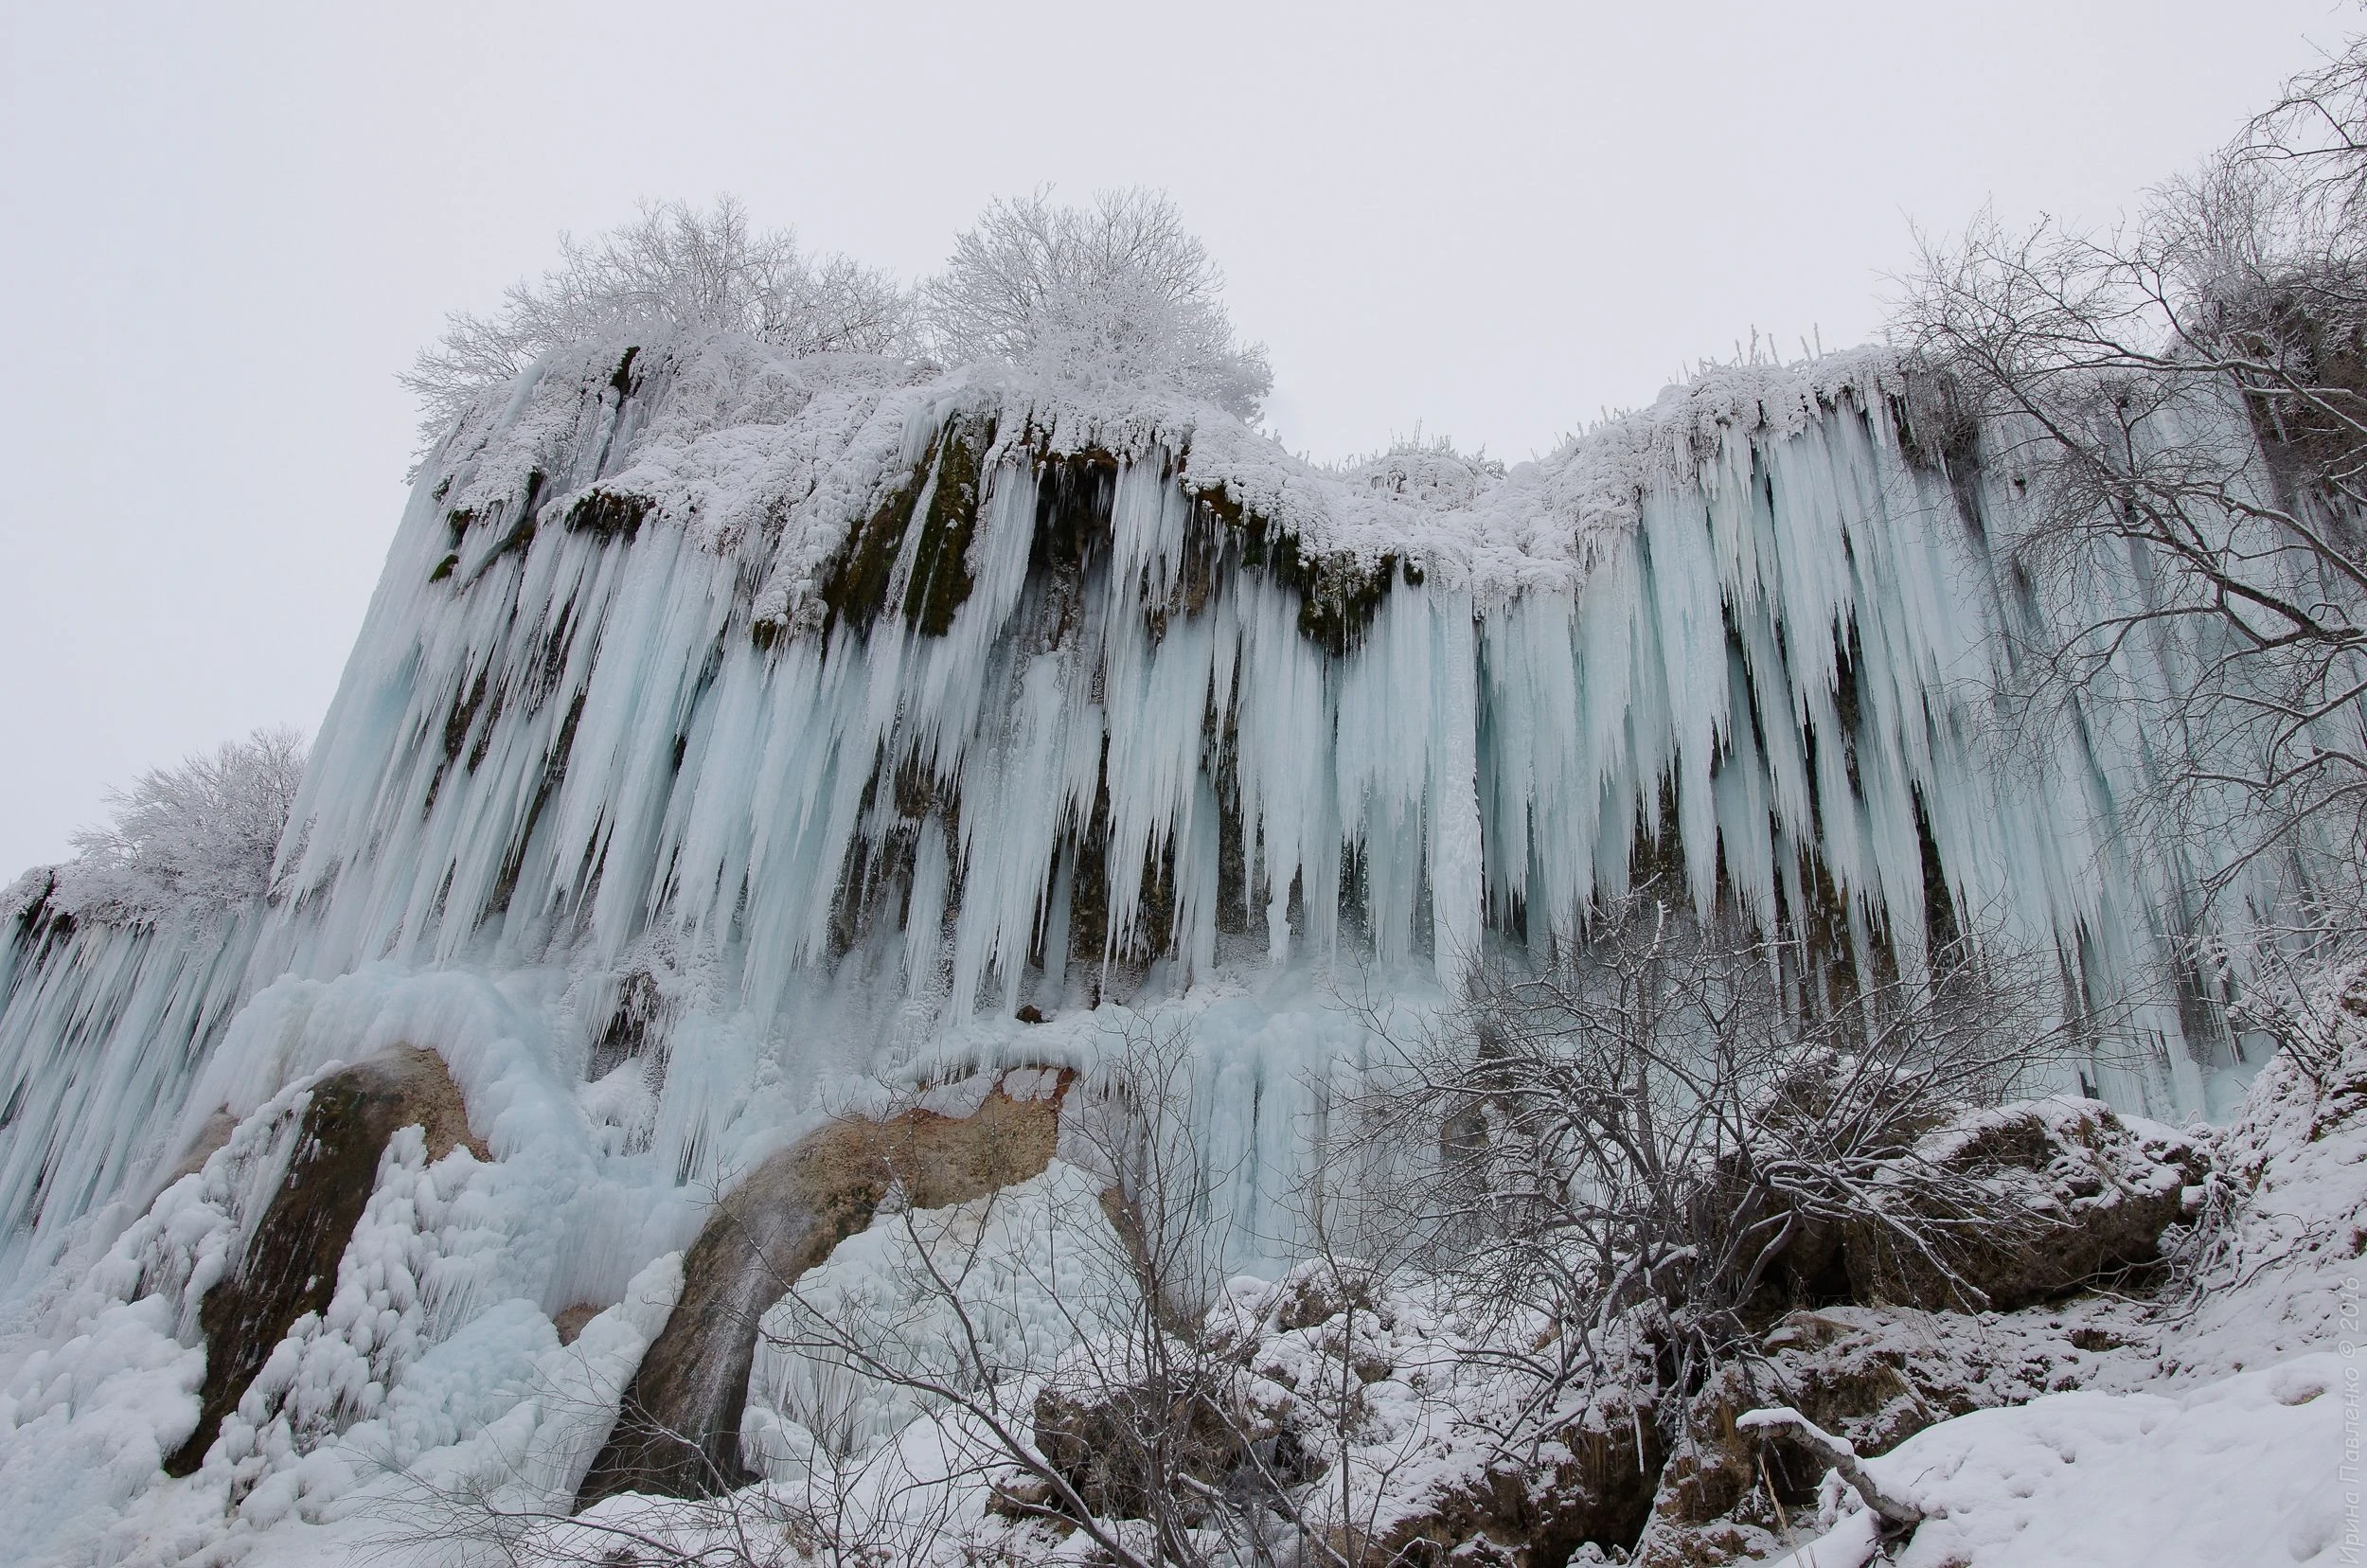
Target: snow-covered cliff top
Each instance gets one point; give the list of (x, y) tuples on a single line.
[(773, 456)]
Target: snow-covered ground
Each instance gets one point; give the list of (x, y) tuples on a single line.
[(427, 1413), (2228, 1429), (2257, 1468)]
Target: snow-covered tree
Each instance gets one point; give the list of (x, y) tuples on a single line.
[(189, 842), (673, 269), (1114, 292)]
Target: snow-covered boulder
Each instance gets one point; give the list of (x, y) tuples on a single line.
[(2242, 1470), (1873, 1376), (1360, 1408), (2019, 1203), (290, 1266)]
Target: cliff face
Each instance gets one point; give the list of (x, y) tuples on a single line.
[(748, 725)]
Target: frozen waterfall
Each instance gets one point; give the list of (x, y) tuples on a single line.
[(799, 721)]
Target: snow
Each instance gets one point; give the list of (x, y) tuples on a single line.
[(2257, 1468), (1033, 1267)]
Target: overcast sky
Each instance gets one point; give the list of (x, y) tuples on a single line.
[(227, 227)]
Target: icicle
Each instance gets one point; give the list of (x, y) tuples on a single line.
[(728, 730)]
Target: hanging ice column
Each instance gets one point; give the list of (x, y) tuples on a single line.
[(765, 680), (969, 655), (102, 1026)]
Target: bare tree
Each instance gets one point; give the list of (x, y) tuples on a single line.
[(2304, 983), (828, 1517), (1137, 1435), (672, 270), (1141, 1423), (1606, 1166), (1118, 290), (1654, 1142), (2181, 404)]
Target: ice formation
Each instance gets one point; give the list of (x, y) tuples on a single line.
[(736, 738), (801, 719)]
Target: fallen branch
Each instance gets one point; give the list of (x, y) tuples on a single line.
[(1836, 1453)]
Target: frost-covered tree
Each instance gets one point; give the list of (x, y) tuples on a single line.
[(673, 269), (191, 842), (1115, 293)]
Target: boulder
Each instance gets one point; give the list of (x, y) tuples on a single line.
[(2061, 1191), (1114, 1444), (1873, 1375), (289, 1267), (1590, 1485), (677, 1431)]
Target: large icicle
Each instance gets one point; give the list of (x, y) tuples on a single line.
[(806, 673)]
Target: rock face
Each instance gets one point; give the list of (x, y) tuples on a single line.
[(2069, 1191), (677, 1431), (2083, 1193), (1591, 1485), (1097, 1442), (289, 1265)]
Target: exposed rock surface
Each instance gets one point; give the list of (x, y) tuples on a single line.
[(677, 1432), (1593, 1486), (1911, 1340), (1097, 1443), (1281, 1381), (2084, 1193), (1873, 1375), (288, 1266)]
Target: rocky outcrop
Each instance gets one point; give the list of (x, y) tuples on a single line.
[(1875, 1375), (1097, 1442), (2067, 1191), (1593, 1484), (2020, 1204), (1254, 1408), (677, 1430), (288, 1266)]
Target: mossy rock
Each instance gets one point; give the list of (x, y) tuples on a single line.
[(610, 514), (856, 583)]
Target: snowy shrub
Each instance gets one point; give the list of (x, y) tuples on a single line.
[(1656, 1127), (192, 841), (1116, 292), (1425, 471), (672, 270)]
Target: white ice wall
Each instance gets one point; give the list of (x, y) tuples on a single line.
[(560, 750)]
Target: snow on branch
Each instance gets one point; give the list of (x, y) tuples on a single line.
[(193, 841), (1114, 292), (1835, 1452), (672, 270)]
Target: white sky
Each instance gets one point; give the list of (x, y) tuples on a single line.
[(226, 228)]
